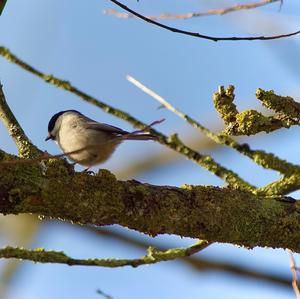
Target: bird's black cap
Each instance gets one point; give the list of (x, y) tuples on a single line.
[(54, 118)]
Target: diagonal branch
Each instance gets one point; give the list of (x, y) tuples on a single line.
[(199, 35), (172, 142), (2, 5), (266, 160), (153, 256), (210, 12), (25, 147)]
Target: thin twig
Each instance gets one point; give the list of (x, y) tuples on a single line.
[(199, 35), (153, 256), (197, 263), (206, 161), (98, 291), (266, 160), (294, 273), (210, 12)]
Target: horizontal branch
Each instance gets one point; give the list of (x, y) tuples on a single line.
[(153, 256), (208, 213), (199, 35), (210, 12), (198, 263)]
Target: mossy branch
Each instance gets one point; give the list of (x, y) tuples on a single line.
[(25, 147), (251, 122), (153, 256), (198, 263), (208, 213), (287, 107), (176, 144), (226, 105)]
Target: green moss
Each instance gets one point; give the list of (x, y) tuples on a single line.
[(105, 174)]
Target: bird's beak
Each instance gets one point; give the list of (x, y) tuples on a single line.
[(48, 137)]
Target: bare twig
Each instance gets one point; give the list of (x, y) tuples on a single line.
[(294, 272), (210, 12), (199, 35)]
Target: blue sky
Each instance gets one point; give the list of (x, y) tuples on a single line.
[(74, 40)]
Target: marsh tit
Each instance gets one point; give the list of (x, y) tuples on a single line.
[(85, 141)]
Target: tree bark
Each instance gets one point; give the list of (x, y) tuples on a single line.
[(211, 213)]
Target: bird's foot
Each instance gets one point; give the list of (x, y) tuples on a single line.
[(87, 171)]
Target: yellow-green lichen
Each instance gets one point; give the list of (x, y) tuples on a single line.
[(223, 102), (286, 105)]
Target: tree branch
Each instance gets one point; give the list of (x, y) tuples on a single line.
[(209, 213), (266, 160), (199, 35), (286, 106), (210, 12), (25, 146), (172, 142), (153, 256), (197, 263), (251, 122)]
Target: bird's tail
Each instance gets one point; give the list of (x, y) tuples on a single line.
[(134, 136)]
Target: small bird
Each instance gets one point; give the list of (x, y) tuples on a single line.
[(86, 141)]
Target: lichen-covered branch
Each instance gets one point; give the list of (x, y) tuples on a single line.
[(172, 142), (198, 263), (25, 146), (288, 108), (210, 12), (153, 256), (226, 105), (208, 213), (251, 122), (284, 185)]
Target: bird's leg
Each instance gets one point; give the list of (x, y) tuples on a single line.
[(87, 171)]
